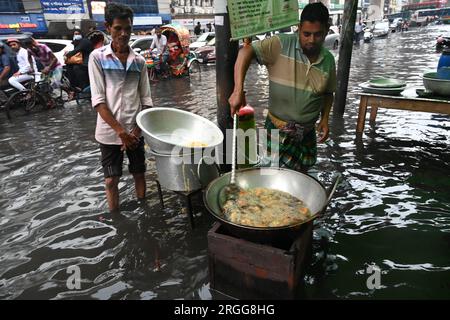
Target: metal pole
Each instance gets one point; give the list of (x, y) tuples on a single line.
[(345, 55), (226, 54)]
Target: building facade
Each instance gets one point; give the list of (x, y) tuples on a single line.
[(425, 4), (336, 9), (192, 8), (11, 6), (22, 16), (148, 14), (57, 18), (189, 12), (395, 6)]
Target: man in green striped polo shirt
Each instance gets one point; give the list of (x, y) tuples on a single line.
[(302, 82)]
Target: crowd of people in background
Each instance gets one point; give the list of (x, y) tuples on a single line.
[(22, 60), (29, 59), (18, 68)]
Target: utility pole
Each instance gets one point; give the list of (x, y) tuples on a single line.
[(226, 54), (345, 55)]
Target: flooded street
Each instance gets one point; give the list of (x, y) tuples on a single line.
[(392, 210)]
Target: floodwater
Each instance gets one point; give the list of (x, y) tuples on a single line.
[(392, 210)]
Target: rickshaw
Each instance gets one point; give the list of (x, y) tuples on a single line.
[(180, 62)]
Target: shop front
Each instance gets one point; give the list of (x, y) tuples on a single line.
[(19, 23)]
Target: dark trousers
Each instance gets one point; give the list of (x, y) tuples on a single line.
[(358, 37), (78, 75)]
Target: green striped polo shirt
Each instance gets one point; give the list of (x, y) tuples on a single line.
[(296, 87)]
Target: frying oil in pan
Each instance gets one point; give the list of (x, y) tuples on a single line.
[(264, 207)]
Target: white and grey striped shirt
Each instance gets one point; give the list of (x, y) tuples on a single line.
[(123, 90)]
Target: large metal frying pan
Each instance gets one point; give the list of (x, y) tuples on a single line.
[(300, 185)]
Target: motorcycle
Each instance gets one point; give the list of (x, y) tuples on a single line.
[(368, 35)]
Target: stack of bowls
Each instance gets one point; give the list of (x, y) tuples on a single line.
[(180, 141), (384, 86), (438, 86)]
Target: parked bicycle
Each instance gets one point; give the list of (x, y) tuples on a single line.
[(36, 97)]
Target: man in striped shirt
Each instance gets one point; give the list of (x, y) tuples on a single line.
[(302, 80), (120, 88)]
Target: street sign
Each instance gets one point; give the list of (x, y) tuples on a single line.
[(252, 17), (147, 21), (62, 6)]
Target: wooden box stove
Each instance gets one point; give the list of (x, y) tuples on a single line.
[(249, 270)]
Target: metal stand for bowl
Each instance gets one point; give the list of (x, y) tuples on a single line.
[(187, 198)]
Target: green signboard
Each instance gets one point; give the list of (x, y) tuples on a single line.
[(252, 17), (336, 6)]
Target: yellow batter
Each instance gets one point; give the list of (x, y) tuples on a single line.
[(263, 207)]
